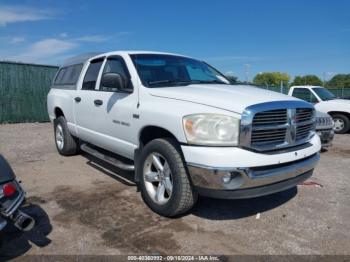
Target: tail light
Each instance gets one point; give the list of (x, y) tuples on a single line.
[(8, 190)]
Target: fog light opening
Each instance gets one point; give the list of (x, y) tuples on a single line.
[(226, 178), (229, 176)]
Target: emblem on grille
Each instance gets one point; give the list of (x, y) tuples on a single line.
[(291, 131)]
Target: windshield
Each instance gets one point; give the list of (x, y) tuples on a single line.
[(157, 70), (323, 93)]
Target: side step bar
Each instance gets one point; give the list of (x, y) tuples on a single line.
[(111, 160)]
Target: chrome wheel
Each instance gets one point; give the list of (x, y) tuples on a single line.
[(158, 178), (59, 137), (338, 124)]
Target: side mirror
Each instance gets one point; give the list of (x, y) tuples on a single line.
[(113, 81)]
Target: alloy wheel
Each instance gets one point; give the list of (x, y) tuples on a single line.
[(338, 124), (59, 137), (158, 178)]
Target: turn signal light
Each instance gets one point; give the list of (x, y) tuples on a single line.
[(8, 190)]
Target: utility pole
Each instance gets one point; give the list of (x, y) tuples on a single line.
[(324, 79), (281, 87), (246, 69)]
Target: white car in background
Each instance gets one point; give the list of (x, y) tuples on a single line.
[(325, 128), (326, 102)]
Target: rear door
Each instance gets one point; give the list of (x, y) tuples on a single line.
[(85, 103)]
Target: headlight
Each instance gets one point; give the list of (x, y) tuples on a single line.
[(211, 129)]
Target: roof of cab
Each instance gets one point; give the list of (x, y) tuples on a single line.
[(79, 59), (305, 86), (82, 58)]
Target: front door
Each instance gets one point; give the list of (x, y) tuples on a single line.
[(111, 112), (118, 110)]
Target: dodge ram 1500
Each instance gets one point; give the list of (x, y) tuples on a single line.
[(181, 127)]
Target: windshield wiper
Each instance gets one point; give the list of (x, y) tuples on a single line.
[(329, 98), (209, 82), (185, 82), (167, 81)]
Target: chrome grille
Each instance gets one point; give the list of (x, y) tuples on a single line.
[(271, 117), (265, 127), (269, 126), (269, 136), (304, 114), (305, 123)]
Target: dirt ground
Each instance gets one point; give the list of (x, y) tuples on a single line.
[(83, 206)]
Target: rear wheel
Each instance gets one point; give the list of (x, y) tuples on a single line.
[(164, 183), (1, 239), (66, 144), (341, 123)]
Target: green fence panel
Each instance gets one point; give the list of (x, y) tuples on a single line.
[(23, 91), (340, 92)]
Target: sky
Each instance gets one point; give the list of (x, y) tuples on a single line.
[(237, 37)]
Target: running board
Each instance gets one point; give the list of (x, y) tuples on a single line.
[(111, 160)]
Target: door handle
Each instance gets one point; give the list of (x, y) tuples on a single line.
[(98, 102), (77, 99)]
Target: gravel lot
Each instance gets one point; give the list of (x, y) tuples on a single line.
[(83, 206)]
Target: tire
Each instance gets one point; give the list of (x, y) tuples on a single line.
[(341, 123), (66, 144), (1, 239), (181, 197)]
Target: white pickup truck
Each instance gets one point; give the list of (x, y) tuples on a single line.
[(182, 127), (326, 102)]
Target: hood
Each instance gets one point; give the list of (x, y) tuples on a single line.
[(342, 105), (338, 101), (6, 173), (233, 98)]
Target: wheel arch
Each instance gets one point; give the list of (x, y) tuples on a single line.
[(151, 132), (58, 112), (346, 117), (347, 114), (147, 134)]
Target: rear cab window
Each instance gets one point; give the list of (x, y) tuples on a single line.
[(68, 76)]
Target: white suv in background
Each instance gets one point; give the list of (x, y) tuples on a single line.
[(326, 102)]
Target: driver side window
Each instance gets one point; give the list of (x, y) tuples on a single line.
[(116, 65), (305, 94)]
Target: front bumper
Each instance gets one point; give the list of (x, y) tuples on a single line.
[(326, 136), (251, 182), (255, 191), (250, 174)]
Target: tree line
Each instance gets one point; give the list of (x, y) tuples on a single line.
[(278, 78)]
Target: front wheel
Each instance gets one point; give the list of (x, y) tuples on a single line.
[(164, 183), (341, 123)]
